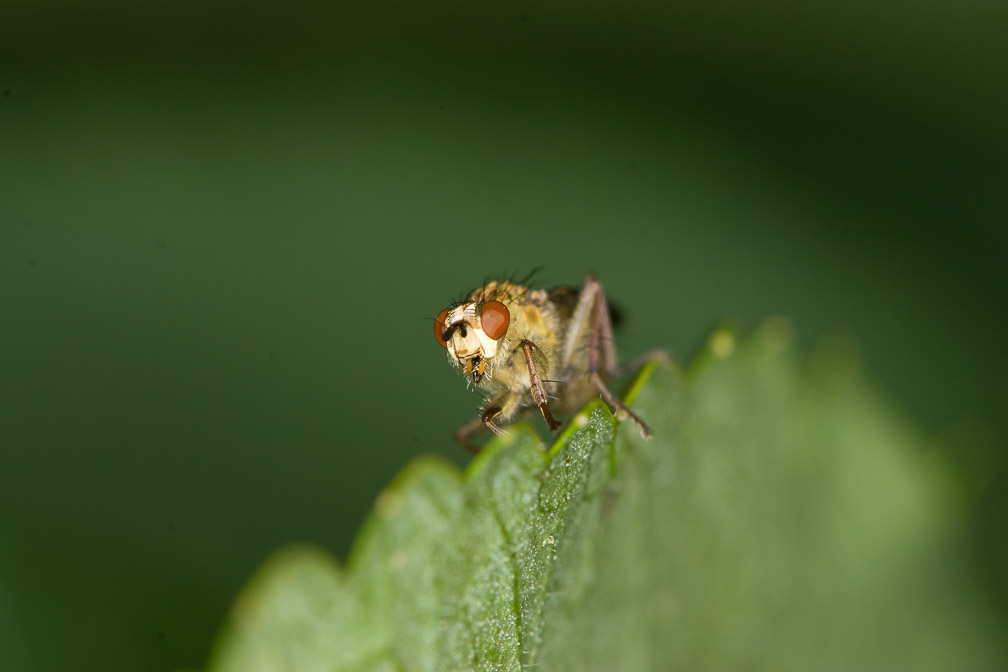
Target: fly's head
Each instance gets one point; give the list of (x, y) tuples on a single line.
[(473, 333)]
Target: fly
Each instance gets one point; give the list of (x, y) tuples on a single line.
[(525, 346)]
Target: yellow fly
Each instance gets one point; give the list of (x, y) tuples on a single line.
[(525, 346)]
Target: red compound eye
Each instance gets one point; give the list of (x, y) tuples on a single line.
[(494, 318), (440, 326)]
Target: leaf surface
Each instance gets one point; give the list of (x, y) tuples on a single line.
[(783, 518)]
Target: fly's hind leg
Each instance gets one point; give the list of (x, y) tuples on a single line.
[(593, 311)]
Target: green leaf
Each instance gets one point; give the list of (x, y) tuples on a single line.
[(784, 517)]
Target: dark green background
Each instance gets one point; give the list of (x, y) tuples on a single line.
[(225, 233)]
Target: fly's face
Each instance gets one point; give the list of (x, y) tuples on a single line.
[(473, 334)]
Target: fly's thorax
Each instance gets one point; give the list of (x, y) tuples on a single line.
[(533, 318), (538, 320)]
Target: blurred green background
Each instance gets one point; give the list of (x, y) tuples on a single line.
[(225, 232)]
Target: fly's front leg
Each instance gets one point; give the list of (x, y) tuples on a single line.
[(538, 393), (600, 344), (504, 404), (466, 432)]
